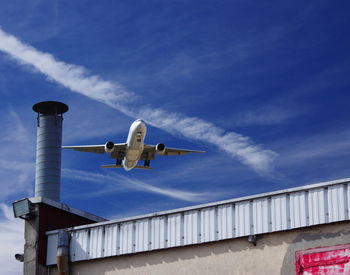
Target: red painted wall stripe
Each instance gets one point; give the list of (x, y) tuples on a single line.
[(323, 260)]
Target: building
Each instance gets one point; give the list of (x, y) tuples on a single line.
[(302, 230)]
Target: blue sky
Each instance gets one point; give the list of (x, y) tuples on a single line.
[(263, 87)]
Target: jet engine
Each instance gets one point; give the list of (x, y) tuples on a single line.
[(160, 149), (109, 146)]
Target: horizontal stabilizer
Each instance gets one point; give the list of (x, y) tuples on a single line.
[(112, 166), (121, 166)]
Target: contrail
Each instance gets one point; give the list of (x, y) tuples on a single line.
[(79, 80)]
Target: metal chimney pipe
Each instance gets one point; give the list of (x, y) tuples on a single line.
[(48, 149)]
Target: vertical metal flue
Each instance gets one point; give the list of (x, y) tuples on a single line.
[(48, 149)]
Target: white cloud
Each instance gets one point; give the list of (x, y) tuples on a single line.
[(267, 115), (17, 173), (77, 79), (236, 145), (12, 241), (118, 183), (17, 164), (319, 147), (73, 77)]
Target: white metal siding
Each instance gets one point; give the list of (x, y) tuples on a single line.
[(51, 248), (242, 219), (191, 227), (298, 211), (336, 205), (317, 213), (111, 240), (278, 213), (270, 213), (96, 249), (158, 233), (208, 230), (260, 216), (174, 230), (126, 235), (225, 222), (347, 196), (142, 235), (79, 245)]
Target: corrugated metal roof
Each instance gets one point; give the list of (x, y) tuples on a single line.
[(264, 213)]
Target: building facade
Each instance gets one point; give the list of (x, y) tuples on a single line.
[(293, 231)]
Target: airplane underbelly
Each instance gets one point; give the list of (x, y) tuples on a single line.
[(133, 154), (129, 164)]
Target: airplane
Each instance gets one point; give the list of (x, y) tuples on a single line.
[(134, 149)]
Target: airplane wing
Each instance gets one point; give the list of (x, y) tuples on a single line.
[(98, 149), (151, 149)]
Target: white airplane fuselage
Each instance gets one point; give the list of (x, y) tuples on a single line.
[(135, 144)]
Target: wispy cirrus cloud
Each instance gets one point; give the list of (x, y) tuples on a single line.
[(17, 168), (12, 239), (268, 115), (318, 147), (119, 183), (79, 80), (17, 164)]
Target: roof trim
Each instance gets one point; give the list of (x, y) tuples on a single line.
[(66, 208)]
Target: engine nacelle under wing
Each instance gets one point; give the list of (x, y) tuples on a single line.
[(109, 146), (160, 149)]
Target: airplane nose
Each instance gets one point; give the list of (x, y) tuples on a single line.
[(140, 122)]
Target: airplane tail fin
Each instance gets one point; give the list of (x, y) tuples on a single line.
[(121, 166)]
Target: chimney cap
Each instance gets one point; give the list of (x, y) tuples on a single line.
[(50, 108)]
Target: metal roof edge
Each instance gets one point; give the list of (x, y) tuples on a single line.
[(211, 204), (66, 208)]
